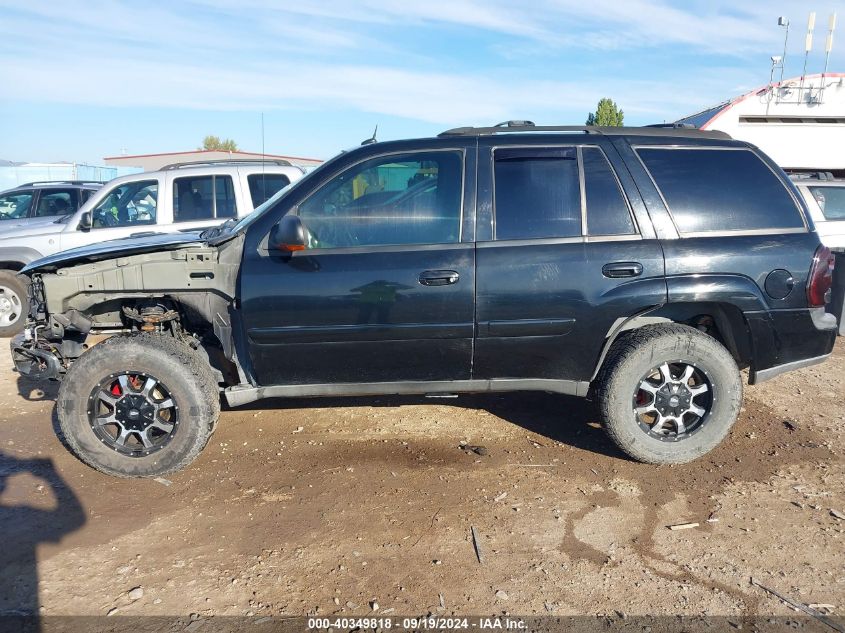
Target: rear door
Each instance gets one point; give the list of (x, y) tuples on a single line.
[(56, 203), (562, 255), (385, 291)]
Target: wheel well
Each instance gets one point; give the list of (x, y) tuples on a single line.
[(187, 320), (723, 321), (11, 266)]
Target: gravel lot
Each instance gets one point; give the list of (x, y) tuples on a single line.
[(345, 506)]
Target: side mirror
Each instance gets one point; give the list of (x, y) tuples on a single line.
[(288, 235), (85, 221)]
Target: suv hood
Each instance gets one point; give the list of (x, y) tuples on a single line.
[(114, 248), (16, 229), (27, 223)]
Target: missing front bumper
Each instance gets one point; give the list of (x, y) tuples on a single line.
[(34, 362)]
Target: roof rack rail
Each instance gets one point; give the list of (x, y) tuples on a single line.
[(516, 127), (812, 175), (62, 182), (229, 161)]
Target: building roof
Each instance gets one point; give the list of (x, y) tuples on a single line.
[(237, 153), (705, 118)]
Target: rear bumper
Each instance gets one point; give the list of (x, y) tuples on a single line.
[(33, 361), (784, 340)]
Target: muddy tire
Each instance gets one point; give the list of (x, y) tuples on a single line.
[(138, 406), (13, 303), (668, 394)]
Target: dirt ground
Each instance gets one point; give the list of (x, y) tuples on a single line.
[(330, 506)]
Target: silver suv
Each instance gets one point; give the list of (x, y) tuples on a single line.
[(179, 197)]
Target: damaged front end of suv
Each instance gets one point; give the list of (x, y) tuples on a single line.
[(180, 286)]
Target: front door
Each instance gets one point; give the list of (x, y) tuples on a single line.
[(130, 208), (563, 254), (385, 291)]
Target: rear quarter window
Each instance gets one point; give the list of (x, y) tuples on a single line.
[(720, 190)]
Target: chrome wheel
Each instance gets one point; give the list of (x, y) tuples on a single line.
[(673, 401), (10, 306), (133, 413)]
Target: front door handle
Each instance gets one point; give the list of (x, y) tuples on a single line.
[(615, 270), (438, 277)]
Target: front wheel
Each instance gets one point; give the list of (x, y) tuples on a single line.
[(669, 393), (138, 406), (13, 303)]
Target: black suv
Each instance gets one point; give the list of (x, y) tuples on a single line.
[(642, 267)]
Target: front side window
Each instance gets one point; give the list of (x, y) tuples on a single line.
[(720, 190), (56, 202), (15, 205), (203, 198), (262, 187), (129, 204), (390, 200), (831, 201), (536, 193)]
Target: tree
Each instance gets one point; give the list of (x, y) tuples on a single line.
[(215, 143), (607, 114)]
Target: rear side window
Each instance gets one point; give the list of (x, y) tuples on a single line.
[(203, 198), (262, 187), (831, 201), (537, 193), (607, 211), (57, 202), (720, 190)]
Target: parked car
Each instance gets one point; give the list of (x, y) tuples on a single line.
[(825, 197), (30, 205), (43, 201), (179, 197), (641, 267)]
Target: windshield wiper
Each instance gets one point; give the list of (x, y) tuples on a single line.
[(218, 230)]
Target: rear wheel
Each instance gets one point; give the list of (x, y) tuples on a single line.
[(138, 406), (13, 303), (669, 393)]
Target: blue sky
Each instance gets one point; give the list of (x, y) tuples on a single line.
[(83, 79)]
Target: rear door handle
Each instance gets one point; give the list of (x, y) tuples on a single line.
[(615, 270), (438, 277)]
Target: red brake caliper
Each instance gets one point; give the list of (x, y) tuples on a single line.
[(115, 390)]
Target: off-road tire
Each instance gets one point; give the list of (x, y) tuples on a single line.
[(188, 380), (18, 285), (634, 354)]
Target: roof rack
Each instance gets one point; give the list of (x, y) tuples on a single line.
[(812, 175), (229, 161), (62, 182), (516, 127)]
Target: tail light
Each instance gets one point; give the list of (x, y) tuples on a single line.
[(821, 277)]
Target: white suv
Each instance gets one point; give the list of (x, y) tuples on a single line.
[(825, 196), (179, 197)]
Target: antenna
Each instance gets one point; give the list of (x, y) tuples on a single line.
[(828, 45), (263, 162), (372, 139), (784, 22), (808, 46)]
